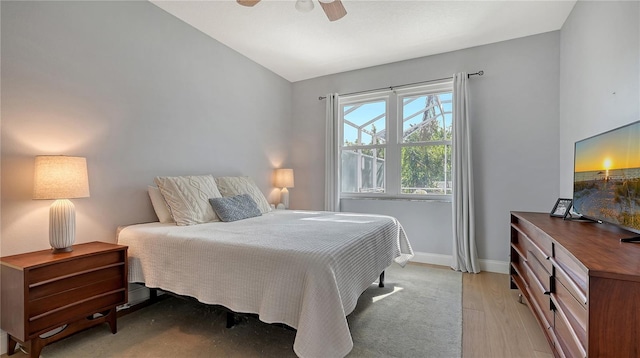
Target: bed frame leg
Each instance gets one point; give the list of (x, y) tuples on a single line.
[(153, 295), (231, 319), (381, 282)]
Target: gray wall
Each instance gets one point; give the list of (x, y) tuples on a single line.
[(514, 121), (140, 94), (599, 75)]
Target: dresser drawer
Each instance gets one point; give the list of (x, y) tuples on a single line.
[(58, 270), (75, 310), (535, 253), (571, 275), (573, 309), (74, 281), (517, 264), (536, 292), (518, 274), (537, 237), (542, 276), (557, 348), (570, 344), (62, 299), (531, 248), (518, 240)]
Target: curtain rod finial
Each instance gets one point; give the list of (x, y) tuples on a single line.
[(479, 73)]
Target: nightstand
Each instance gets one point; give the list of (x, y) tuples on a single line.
[(47, 297)]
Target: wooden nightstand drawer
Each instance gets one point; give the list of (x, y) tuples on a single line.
[(76, 310), (73, 267), (75, 281), (79, 294)]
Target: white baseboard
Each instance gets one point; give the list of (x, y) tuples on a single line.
[(432, 259), (495, 266), (445, 260)]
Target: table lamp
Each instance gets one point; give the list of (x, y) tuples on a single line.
[(61, 177), (284, 180)]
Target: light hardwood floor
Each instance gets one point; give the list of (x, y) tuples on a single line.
[(494, 323)]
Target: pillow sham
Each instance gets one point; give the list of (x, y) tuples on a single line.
[(233, 208), (188, 198), (159, 205), (231, 186)]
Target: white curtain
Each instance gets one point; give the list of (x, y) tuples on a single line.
[(331, 184), (465, 257)]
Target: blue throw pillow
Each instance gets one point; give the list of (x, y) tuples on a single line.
[(232, 208)]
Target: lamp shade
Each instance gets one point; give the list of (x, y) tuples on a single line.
[(60, 177), (284, 178)]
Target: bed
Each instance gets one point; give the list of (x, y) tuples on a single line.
[(305, 269)]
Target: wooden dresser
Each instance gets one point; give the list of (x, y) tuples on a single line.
[(43, 292), (582, 283)]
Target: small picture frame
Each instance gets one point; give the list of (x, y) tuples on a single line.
[(562, 208)]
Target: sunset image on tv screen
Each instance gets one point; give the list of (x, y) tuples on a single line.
[(607, 177)]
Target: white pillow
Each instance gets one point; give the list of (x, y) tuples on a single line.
[(231, 186), (188, 198), (159, 205)]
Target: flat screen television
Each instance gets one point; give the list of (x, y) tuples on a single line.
[(606, 182)]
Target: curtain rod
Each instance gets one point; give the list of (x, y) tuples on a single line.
[(391, 88)]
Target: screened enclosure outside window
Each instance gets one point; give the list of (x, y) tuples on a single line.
[(397, 143), (426, 143), (364, 139), (363, 171)]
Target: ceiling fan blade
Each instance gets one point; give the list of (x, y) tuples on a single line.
[(247, 2), (334, 10)]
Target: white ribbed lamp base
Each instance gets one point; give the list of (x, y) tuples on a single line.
[(62, 225), (284, 197)]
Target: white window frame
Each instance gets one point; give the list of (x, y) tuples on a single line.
[(394, 142)]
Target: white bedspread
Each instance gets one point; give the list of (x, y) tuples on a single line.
[(305, 269)]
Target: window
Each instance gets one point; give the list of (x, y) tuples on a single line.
[(364, 142), (397, 144)]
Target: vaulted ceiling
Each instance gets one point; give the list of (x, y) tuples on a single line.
[(302, 45)]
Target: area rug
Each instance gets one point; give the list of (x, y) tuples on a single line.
[(417, 314)]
